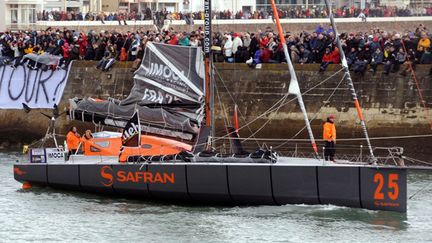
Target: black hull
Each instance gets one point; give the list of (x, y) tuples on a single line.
[(376, 188)]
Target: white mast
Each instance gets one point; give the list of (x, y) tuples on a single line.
[(350, 82), (293, 86)]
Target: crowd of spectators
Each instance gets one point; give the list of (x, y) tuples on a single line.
[(322, 12), (289, 12), (93, 16), (364, 50)]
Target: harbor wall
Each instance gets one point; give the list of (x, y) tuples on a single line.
[(391, 104)]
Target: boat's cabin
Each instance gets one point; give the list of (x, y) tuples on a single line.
[(109, 144)]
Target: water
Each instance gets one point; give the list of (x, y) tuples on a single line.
[(43, 214)]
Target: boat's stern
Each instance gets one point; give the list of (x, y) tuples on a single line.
[(31, 173), (35, 172)]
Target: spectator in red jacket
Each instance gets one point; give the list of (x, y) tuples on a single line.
[(123, 54), (330, 57), (173, 40), (335, 58), (82, 42), (65, 49), (266, 55), (66, 55)]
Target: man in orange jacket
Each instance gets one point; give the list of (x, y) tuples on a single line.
[(73, 140), (329, 137)]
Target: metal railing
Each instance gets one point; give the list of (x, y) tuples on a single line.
[(345, 153)]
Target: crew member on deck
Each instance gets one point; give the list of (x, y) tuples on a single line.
[(329, 137), (86, 137), (73, 140)]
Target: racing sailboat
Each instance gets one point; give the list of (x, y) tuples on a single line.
[(173, 97)]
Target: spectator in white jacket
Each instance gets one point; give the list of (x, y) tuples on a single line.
[(237, 42), (228, 48)]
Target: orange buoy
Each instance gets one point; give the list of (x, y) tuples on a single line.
[(26, 185)]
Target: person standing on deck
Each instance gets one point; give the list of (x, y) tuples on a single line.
[(86, 137), (72, 140), (329, 137)]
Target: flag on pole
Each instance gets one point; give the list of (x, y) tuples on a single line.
[(131, 136)]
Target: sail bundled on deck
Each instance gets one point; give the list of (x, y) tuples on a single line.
[(168, 92)]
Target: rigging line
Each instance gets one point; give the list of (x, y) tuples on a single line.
[(347, 139), (327, 100), (221, 107), (228, 123), (307, 91), (233, 100), (341, 139), (322, 82), (255, 119), (266, 122), (420, 190), (316, 114), (417, 160), (271, 109), (419, 91), (274, 105)]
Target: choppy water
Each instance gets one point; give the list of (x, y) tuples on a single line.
[(43, 214)]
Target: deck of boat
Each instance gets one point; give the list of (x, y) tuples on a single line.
[(287, 161)]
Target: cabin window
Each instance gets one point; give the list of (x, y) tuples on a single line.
[(146, 146), (94, 149), (103, 144)]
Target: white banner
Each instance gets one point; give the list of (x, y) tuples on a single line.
[(35, 88), (55, 155)]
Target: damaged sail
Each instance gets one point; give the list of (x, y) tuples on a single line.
[(168, 74), (168, 92)]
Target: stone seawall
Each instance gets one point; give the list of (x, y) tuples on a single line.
[(391, 104)]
